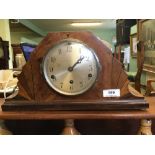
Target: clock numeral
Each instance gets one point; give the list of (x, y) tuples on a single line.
[(69, 48), (53, 59), (61, 84), (91, 68), (51, 69), (87, 58), (60, 52), (53, 77), (71, 87), (71, 81), (81, 84), (89, 76)]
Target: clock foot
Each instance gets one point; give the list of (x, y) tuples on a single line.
[(3, 129), (145, 127), (69, 128)]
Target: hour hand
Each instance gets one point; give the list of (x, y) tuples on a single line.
[(77, 62)]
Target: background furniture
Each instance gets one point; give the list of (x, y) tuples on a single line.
[(4, 54), (16, 50), (146, 35), (123, 30), (123, 38)]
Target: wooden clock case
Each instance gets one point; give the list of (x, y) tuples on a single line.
[(35, 94)]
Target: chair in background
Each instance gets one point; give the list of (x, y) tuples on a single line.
[(150, 89), (140, 63)]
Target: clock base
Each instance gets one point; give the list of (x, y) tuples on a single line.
[(23, 105)]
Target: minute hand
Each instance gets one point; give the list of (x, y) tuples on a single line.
[(77, 62)]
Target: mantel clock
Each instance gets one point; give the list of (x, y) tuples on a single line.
[(74, 71)]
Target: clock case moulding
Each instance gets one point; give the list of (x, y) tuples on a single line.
[(35, 94)]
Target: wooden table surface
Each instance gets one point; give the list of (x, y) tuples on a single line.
[(49, 115)]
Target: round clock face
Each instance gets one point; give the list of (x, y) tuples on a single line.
[(70, 67)]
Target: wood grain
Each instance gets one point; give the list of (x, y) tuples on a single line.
[(111, 75)]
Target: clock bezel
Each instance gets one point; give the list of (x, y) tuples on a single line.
[(98, 68)]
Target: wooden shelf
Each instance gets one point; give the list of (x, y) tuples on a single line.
[(55, 115)]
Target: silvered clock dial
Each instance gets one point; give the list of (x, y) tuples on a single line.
[(70, 67)]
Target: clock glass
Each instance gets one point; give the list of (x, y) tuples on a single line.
[(70, 67)]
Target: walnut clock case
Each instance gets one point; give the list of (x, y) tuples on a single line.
[(70, 71)]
